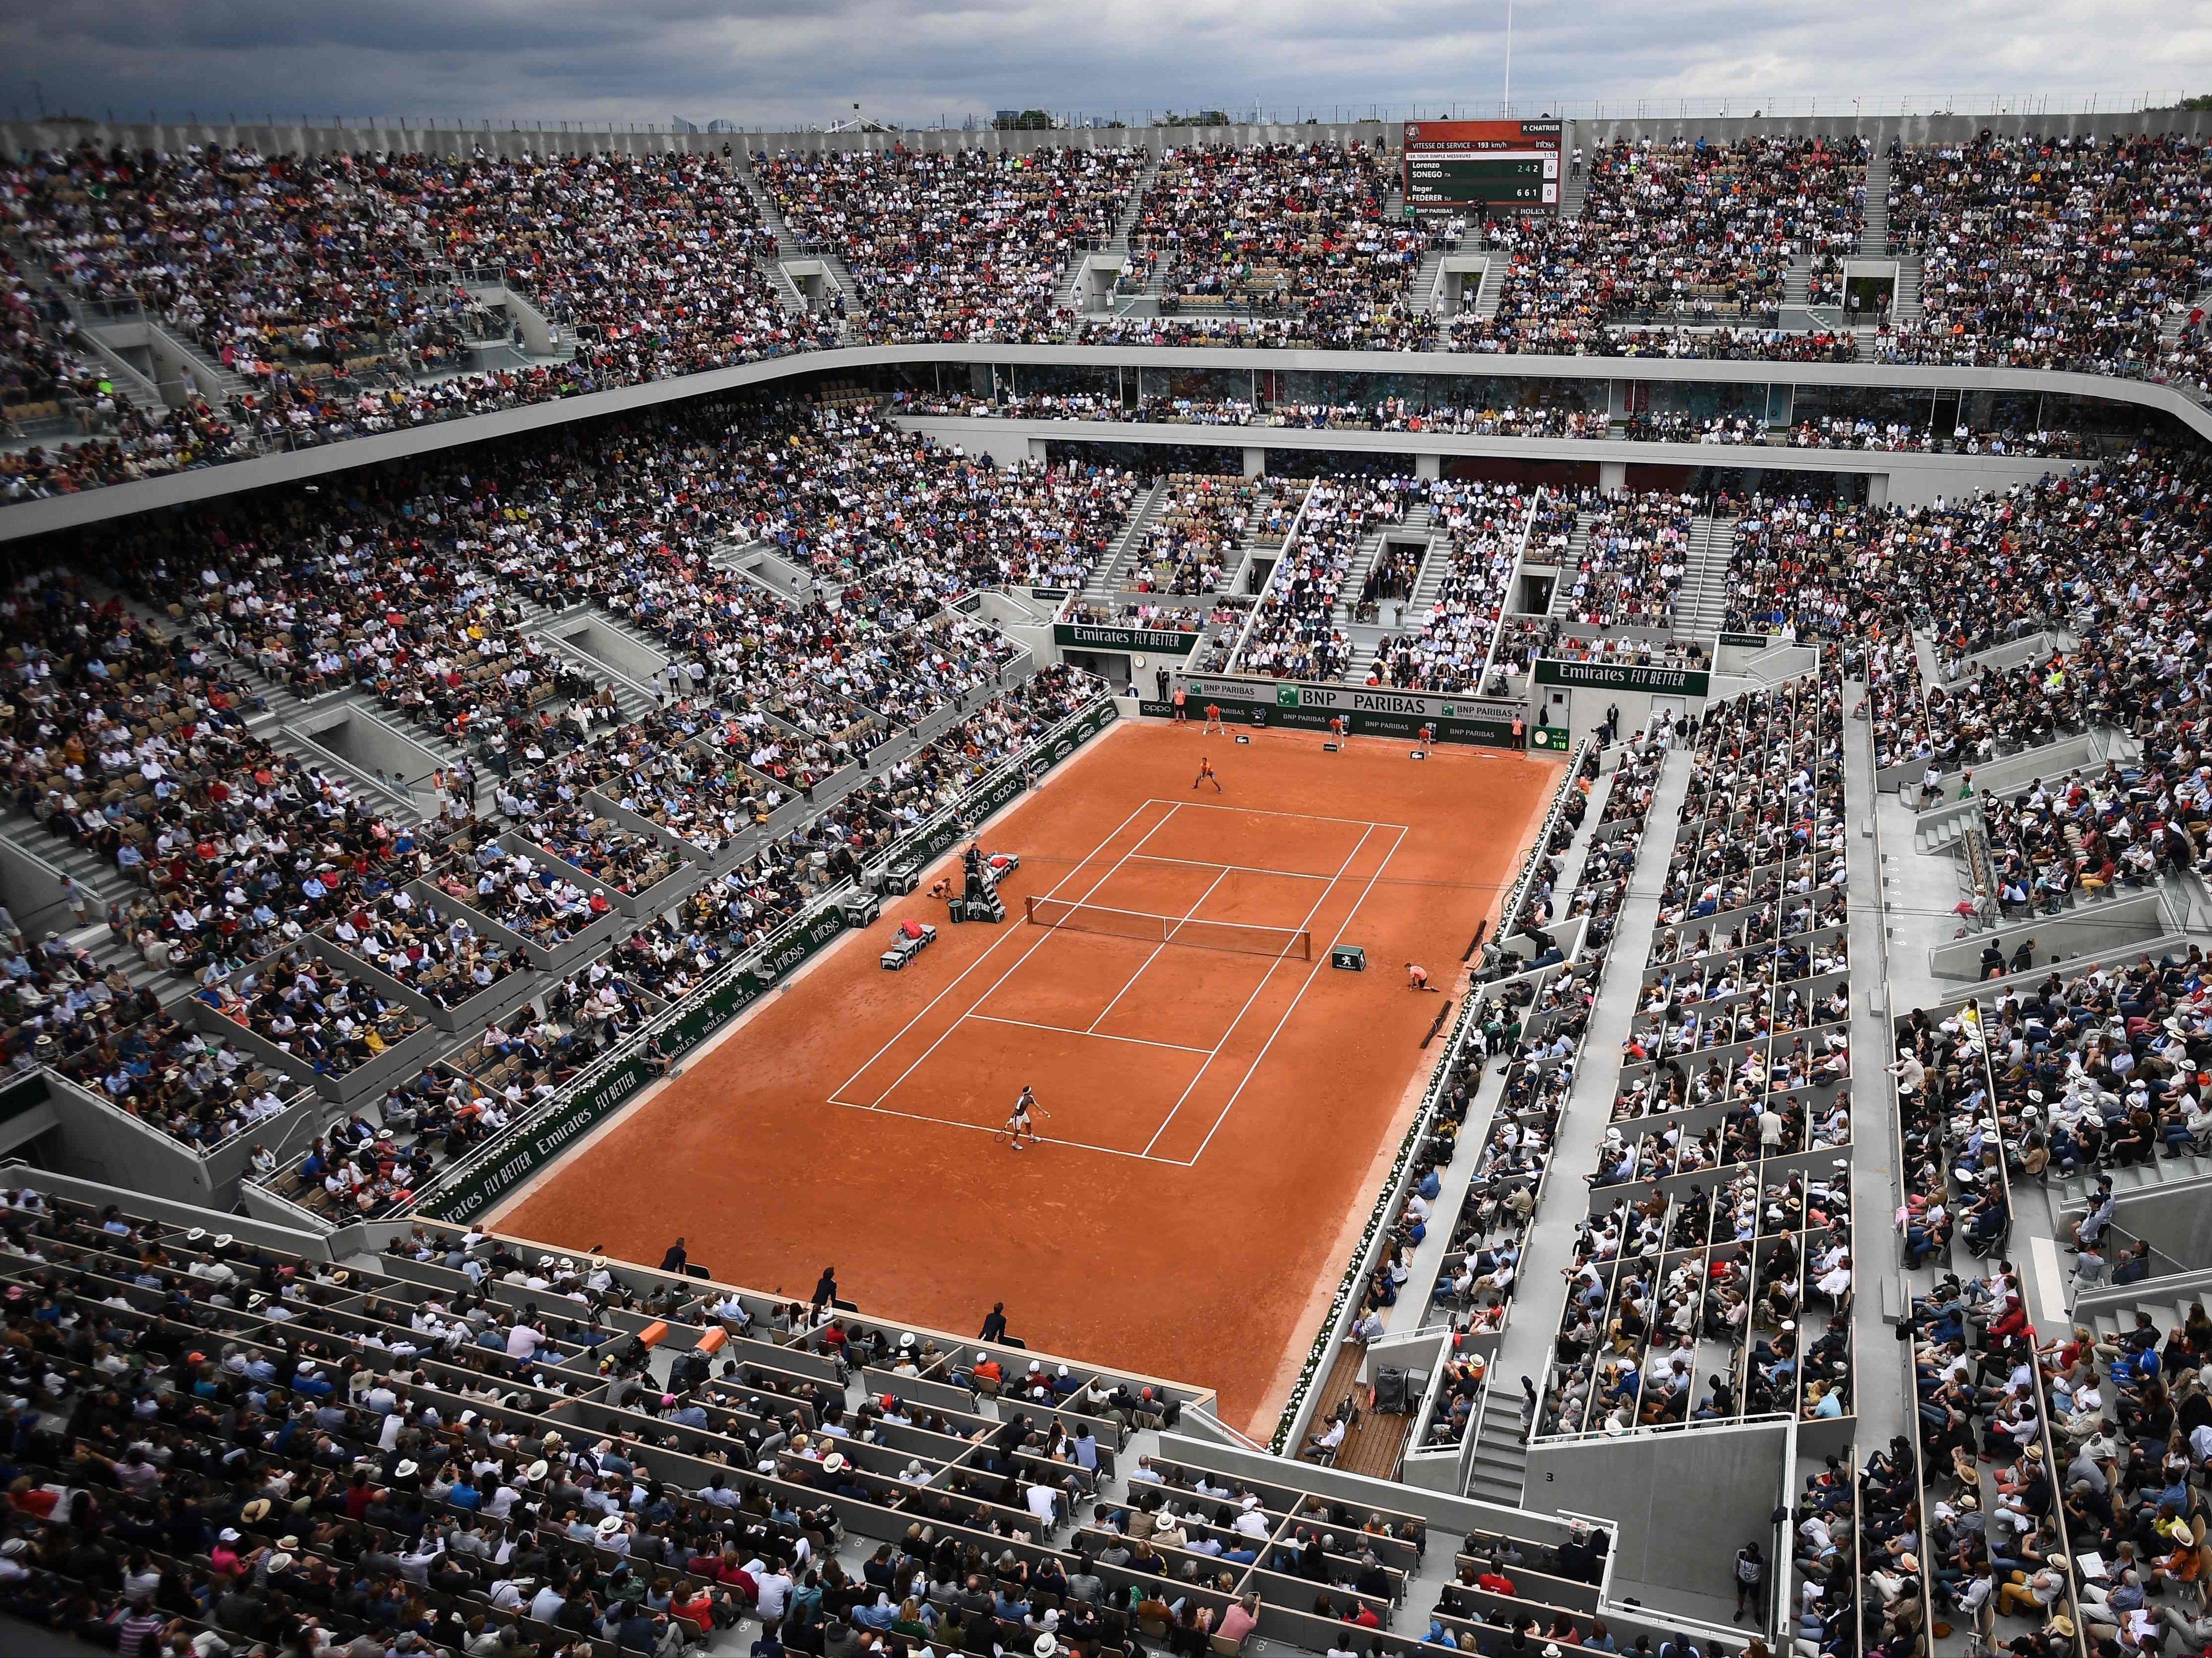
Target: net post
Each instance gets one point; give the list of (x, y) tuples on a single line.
[(1028, 907)]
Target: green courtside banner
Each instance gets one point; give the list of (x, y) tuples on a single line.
[(1098, 636), (522, 1157), (1366, 712), (1622, 677), (575, 1115)]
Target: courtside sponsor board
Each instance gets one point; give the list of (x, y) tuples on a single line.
[(1357, 722), (1622, 676), (1374, 701), (1098, 636), (525, 1156)]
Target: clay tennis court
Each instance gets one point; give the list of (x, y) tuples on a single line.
[(1221, 1104)]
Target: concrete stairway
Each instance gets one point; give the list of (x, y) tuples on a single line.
[(1355, 575), (786, 291), (840, 276), (2168, 1314), (1873, 225), (1436, 568), (631, 699), (1702, 605), (1500, 1465), (102, 881), (1905, 310), (1571, 562), (2176, 318), (1424, 279), (1419, 520), (1493, 283), (385, 795), (1116, 570), (1116, 249), (2072, 1192), (1797, 282), (1573, 193), (214, 382)]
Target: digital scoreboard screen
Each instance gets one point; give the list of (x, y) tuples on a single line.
[(1482, 164)]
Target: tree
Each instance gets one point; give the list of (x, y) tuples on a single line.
[(1029, 120)]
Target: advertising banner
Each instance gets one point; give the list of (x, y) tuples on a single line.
[(1098, 636), (1622, 677)]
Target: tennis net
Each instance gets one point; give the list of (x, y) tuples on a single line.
[(1288, 943)]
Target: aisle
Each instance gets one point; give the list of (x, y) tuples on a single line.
[(1535, 1319)]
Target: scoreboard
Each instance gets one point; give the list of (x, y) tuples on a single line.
[(1482, 164)]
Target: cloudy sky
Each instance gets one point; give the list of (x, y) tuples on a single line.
[(799, 62)]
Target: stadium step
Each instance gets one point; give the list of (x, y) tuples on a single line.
[(1798, 281), (633, 699), (786, 291), (219, 385), (1874, 220), (1702, 606), (2177, 317), (1117, 248), (1113, 574), (1364, 561), (1493, 284), (787, 244), (1573, 193), (1425, 280), (1571, 561), (1905, 308), (1499, 1467), (385, 796)]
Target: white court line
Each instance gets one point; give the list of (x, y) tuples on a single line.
[(1103, 840), (1043, 934), (1092, 1027), (1259, 986), (1070, 1030), (978, 1128), (1256, 811), (1254, 1069), (1240, 869)]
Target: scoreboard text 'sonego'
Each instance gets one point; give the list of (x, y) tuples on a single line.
[(1482, 163)]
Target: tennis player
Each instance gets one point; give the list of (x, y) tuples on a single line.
[(1205, 774), (1019, 1125), (1214, 720)]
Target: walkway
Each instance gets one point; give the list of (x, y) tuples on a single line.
[(1535, 1321)]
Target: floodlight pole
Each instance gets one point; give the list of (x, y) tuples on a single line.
[(1509, 57)]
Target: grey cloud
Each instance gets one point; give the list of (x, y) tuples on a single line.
[(782, 61)]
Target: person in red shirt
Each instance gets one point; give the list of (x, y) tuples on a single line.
[(1213, 719), (1494, 1581)]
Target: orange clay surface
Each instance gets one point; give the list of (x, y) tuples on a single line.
[(1219, 1122)]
